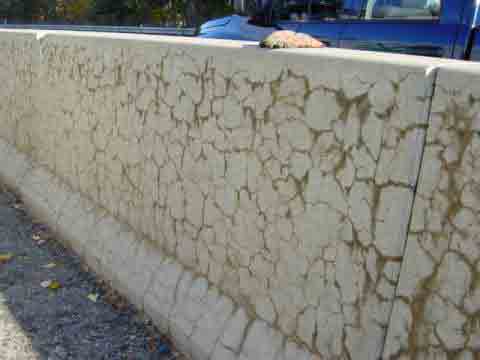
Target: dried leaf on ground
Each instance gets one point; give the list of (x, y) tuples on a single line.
[(18, 206), (152, 344), (93, 297), (45, 284), (4, 258), (55, 285), (116, 300), (51, 284)]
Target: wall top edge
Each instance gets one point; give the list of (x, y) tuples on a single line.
[(460, 67), (247, 47)]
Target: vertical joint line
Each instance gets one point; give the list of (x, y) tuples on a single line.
[(431, 75)]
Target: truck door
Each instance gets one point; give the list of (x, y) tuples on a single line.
[(419, 27)]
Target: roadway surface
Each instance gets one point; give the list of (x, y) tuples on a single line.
[(42, 322)]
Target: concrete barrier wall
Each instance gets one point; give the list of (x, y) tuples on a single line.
[(18, 74), (437, 304), (256, 204)]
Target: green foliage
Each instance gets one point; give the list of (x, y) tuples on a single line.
[(114, 12)]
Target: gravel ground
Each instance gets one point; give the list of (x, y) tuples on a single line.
[(38, 321)]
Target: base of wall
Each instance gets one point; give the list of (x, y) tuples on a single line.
[(202, 322)]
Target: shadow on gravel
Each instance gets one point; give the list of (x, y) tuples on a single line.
[(38, 322)]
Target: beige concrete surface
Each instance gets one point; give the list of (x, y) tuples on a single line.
[(266, 196)]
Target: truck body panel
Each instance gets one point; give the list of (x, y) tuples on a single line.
[(443, 28)]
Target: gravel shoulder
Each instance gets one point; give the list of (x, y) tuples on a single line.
[(52, 309)]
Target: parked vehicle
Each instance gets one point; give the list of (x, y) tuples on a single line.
[(438, 28)]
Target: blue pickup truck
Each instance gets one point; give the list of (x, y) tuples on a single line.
[(438, 28)]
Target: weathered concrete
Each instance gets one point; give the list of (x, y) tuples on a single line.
[(437, 306), (255, 204)]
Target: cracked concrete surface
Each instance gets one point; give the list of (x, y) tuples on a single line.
[(267, 196), (290, 190), (437, 304)]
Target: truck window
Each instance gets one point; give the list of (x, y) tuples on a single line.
[(403, 9), (334, 9), (290, 10)]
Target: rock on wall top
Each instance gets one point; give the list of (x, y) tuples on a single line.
[(285, 178)]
